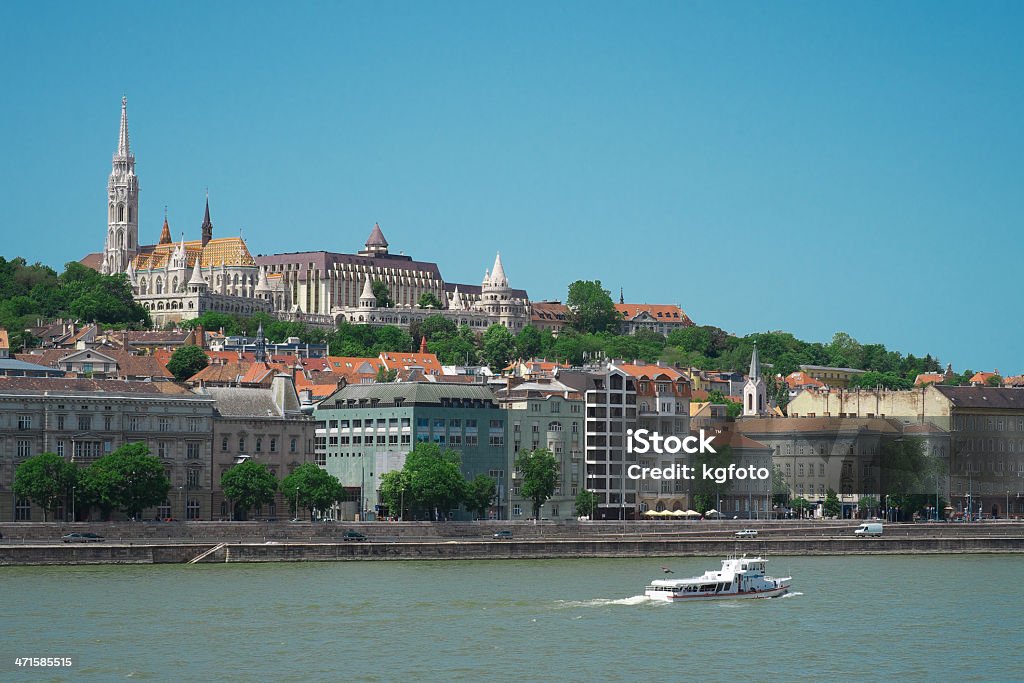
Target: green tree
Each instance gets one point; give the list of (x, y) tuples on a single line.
[(384, 375), (437, 326), (868, 506), (187, 361), (831, 506), (780, 489), (455, 349), (480, 493), (45, 479), (540, 476), (390, 339), (429, 300), (994, 381), (694, 339), (498, 347), (129, 479), (707, 492), (586, 504), (591, 308), (395, 492), (248, 485), (435, 479), (317, 489), (382, 294), (528, 343), (801, 506)]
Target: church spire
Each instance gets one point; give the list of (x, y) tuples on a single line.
[(755, 365), (207, 227), (622, 298), (123, 147), (165, 234), (261, 346)]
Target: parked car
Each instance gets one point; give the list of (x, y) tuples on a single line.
[(84, 537), (353, 535), (504, 534), (746, 533)]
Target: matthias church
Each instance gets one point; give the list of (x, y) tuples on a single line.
[(181, 280)]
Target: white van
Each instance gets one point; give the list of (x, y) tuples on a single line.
[(869, 529)]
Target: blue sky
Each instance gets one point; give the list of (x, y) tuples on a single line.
[(803, 166)]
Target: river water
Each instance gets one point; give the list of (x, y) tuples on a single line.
[(952, 618)]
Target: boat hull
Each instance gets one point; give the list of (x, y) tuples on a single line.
[(665, 596)]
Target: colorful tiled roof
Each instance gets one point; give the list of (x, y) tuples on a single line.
[(226, 251)]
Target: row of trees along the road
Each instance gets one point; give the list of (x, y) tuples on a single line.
[(131, 480), (431, 483), (128, 479), (251, 485)]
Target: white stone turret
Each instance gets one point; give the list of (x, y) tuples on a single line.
[(196, 283), (367, 299), (130, 273), (498, 278), (122, 243)]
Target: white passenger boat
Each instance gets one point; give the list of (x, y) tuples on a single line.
[(740, 577)]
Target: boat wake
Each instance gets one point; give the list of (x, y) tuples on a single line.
[(790, 595), (602, 602)]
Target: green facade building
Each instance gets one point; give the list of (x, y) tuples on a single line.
[(366, 430)]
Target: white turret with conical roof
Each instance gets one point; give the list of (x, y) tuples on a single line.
[(499, 301), (755, 399), (498, 278), (367, 299), (196, 283)]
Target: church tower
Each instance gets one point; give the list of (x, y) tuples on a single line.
[(755, 394), (122, 205)]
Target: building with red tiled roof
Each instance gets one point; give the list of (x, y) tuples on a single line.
[(660, 318), (549, 315), (5, 344), (982, 378)]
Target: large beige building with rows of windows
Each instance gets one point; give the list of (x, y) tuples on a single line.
[(82, 420)]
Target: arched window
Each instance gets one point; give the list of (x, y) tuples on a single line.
[(158, 286), (120, 213), (554, 426), (129, 240), (174, 284), (129, 214)]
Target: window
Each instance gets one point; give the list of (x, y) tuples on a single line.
[(472, 441), (405, 439), (165, 424), (556, 408), (497, 424), (195, 424), (405, 422), (554, 508), (60, 448), (241, 444), (517, 510), (192, 478), (821, 469), (259, 445), (422, 422), (471, 424), (554, 426), (455, 440), (163, 449), (293, 445), (87, 449), (575, 427), (22, 510), (224, 444), (107, 422), (193, 509), (192, 450), (455, 424), (163, 511), (60, 422), (134, 424), (84, 423), (24, 448), (273, 444), (496, 441)]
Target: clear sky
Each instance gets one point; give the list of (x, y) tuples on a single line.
[(805, 166)]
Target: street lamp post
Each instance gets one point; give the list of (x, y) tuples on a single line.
[(181, 504), (73, 503), (296, 502)]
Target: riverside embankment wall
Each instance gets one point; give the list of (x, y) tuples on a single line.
[(152, 553)]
